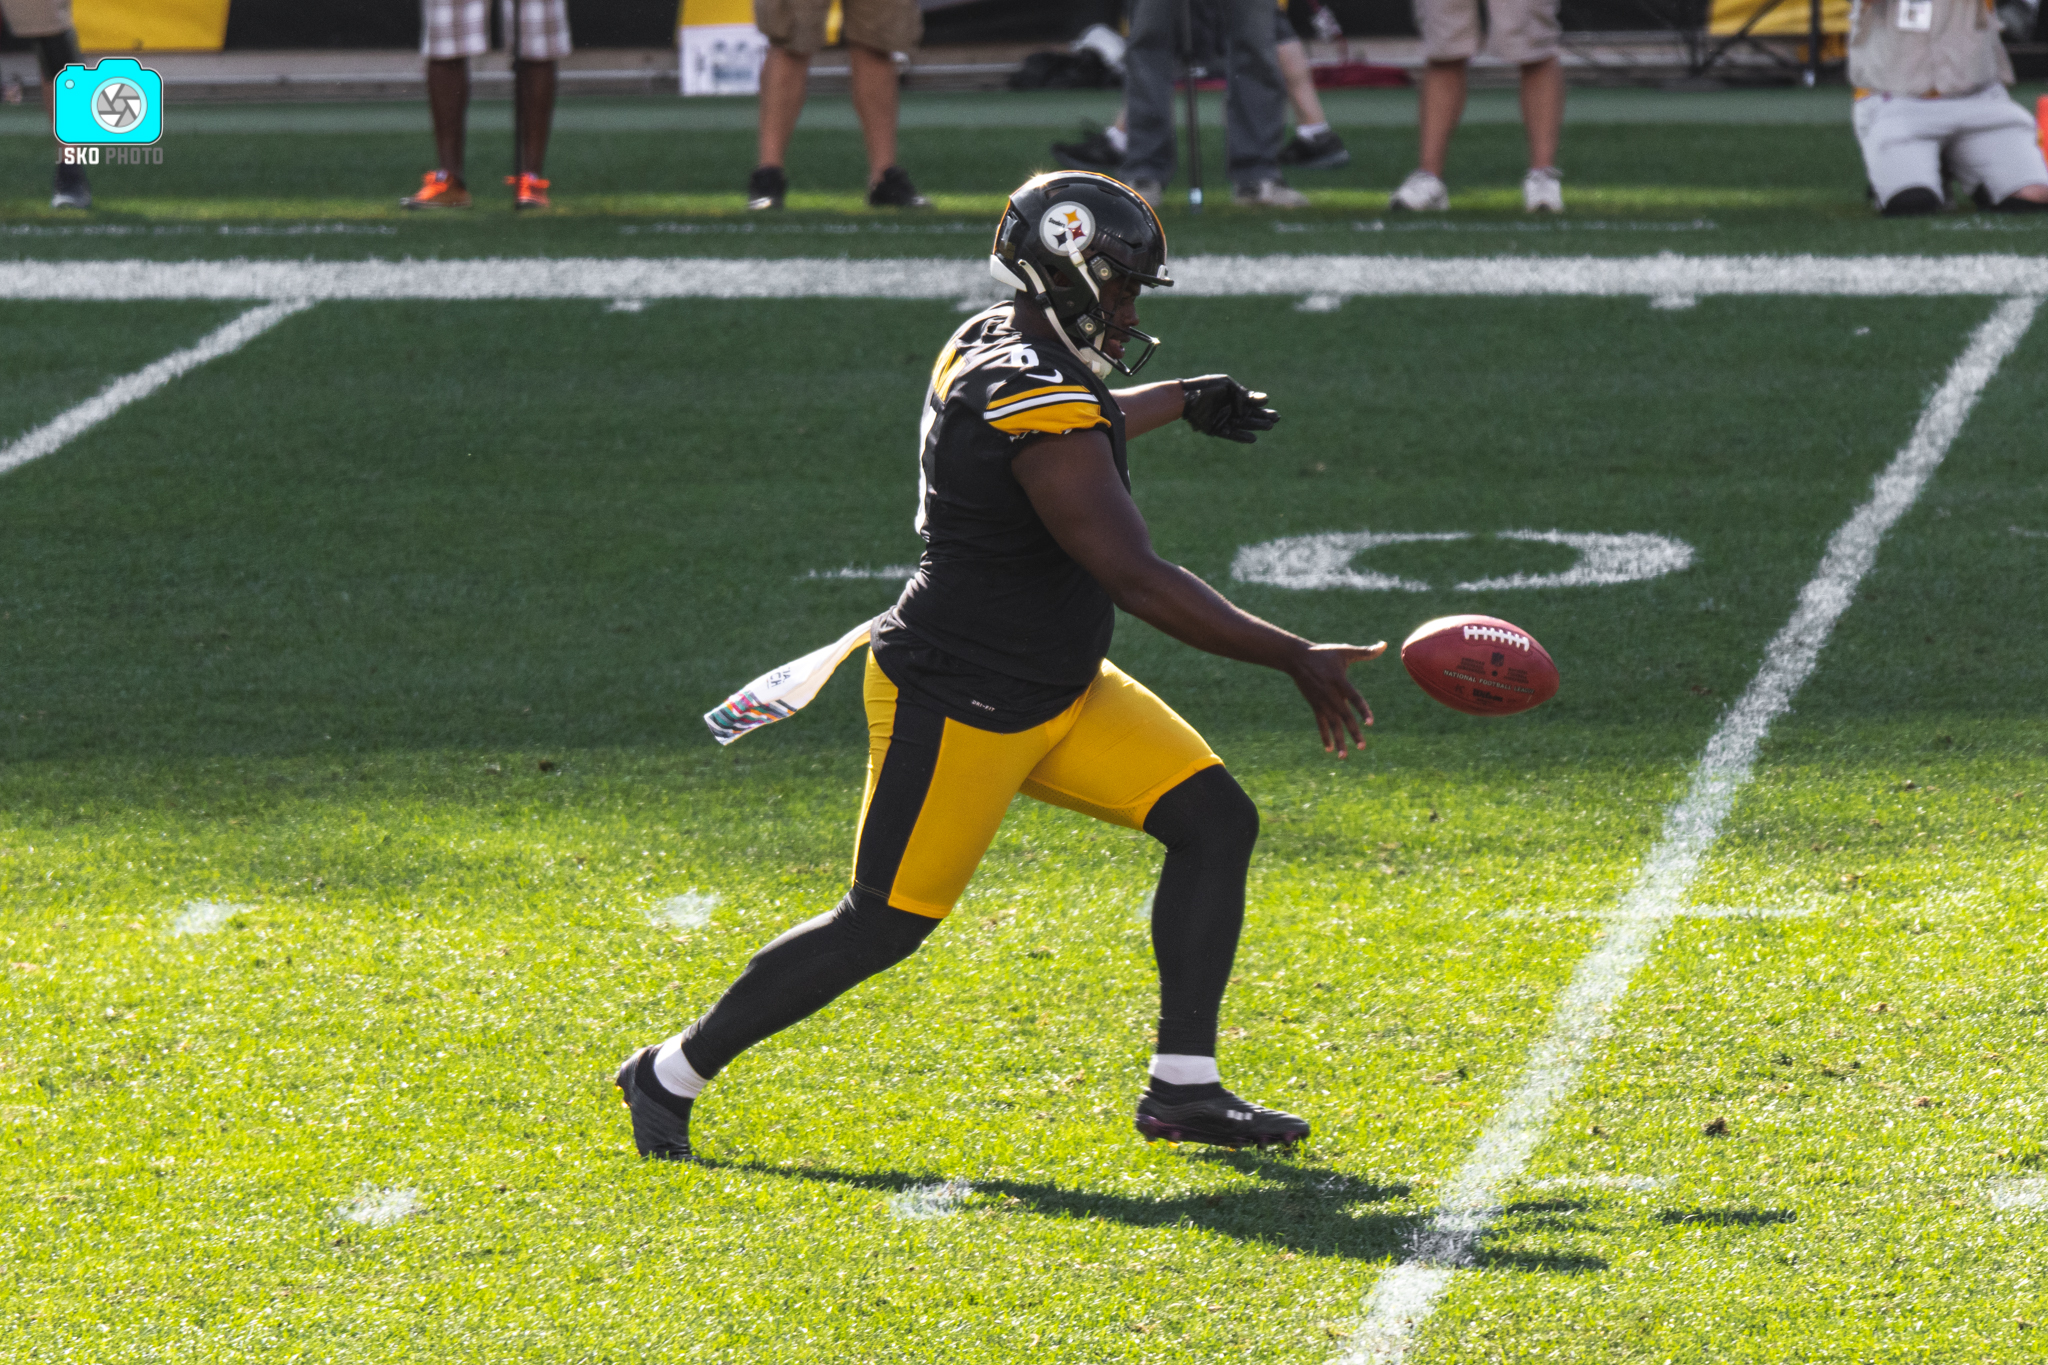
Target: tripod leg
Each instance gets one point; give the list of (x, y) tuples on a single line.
[(1187, 67)]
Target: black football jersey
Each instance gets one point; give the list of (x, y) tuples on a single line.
[(1000, 628)]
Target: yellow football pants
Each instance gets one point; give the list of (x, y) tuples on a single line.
[(937, 788)]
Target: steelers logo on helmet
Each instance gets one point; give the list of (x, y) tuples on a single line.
[(1067, 227)]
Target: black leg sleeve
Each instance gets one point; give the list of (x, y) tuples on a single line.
[(800, 973), (1208, 826)]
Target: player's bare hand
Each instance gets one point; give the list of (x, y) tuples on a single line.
[(1322, 674)]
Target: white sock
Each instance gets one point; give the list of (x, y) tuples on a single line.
[(1177, 1068), (1311, 131), (674, 1071), (1118, 138)]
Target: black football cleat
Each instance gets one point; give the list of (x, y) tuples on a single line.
[(1221, 1120), (894, 191), (1323, 152), (70, 189), (767, 187), (661, 1121), (1094, 152)]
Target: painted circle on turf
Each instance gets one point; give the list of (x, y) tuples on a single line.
[(1067, 227), (1324, 560)]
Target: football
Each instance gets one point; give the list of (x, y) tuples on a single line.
[(1480, 665)]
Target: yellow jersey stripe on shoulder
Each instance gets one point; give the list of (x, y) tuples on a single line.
[(1033, 393), (1052, 418), (1059, 393)]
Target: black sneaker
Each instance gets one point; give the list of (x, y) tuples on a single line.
[(1323, 152), (661, 1121), (1221, 1120), (70, 190), (894, 191), (767, 187), (1094, 152)]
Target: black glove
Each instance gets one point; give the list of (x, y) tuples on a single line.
[(1217, 405)]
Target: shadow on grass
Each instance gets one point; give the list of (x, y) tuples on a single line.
[(1301, 1208), (1726, 1218)]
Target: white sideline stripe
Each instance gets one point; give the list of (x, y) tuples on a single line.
[(130, 388), (1325, 280), (1406, 1294)]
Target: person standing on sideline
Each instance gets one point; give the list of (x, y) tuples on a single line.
[(1255, 108), (453, 31), (875, 31), (47, 25), (1523, 32), (1315, 146), (1930, 78)]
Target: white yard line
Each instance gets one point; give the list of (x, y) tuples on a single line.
[(1324, 281), (1407, 1293), (130, 388)]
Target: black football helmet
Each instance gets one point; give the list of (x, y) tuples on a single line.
[(1065, 235)]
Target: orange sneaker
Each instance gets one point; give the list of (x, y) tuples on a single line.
[(529, 191), (437, 191)]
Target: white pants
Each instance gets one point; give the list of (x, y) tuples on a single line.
[(1982, 139)]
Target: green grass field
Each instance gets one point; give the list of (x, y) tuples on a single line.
[(352, 785)]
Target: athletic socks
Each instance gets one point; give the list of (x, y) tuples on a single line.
[(1309, 132), (673, 1070), (1182, 1069), (647, 1080), (1118, 138), (1178, 1078)]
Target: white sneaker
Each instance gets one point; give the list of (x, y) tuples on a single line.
[(1421, 192), (1269, 194), (1543, 191)]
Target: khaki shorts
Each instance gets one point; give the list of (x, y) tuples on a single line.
[(1983, 139), (798, 26), (1518, 31), (37, 18)]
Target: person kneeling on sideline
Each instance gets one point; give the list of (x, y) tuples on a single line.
[(1931, 104)]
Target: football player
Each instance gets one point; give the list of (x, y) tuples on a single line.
[(990, 674)]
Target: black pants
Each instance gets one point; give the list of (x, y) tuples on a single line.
[(1208, 826)]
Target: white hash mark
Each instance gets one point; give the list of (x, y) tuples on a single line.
[(204, 917), (891, 572), (381, 1208), (936, 1200), (2019, 1194), (691, 910)]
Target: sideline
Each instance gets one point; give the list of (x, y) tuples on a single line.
[(1406, 1294), (133, 388), (1328, 280)]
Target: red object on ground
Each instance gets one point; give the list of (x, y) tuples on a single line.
[(1359, 75), (1334, 76), (1480, 665), (2041, 121)]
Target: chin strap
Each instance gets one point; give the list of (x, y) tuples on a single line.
[(1095, 360)]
